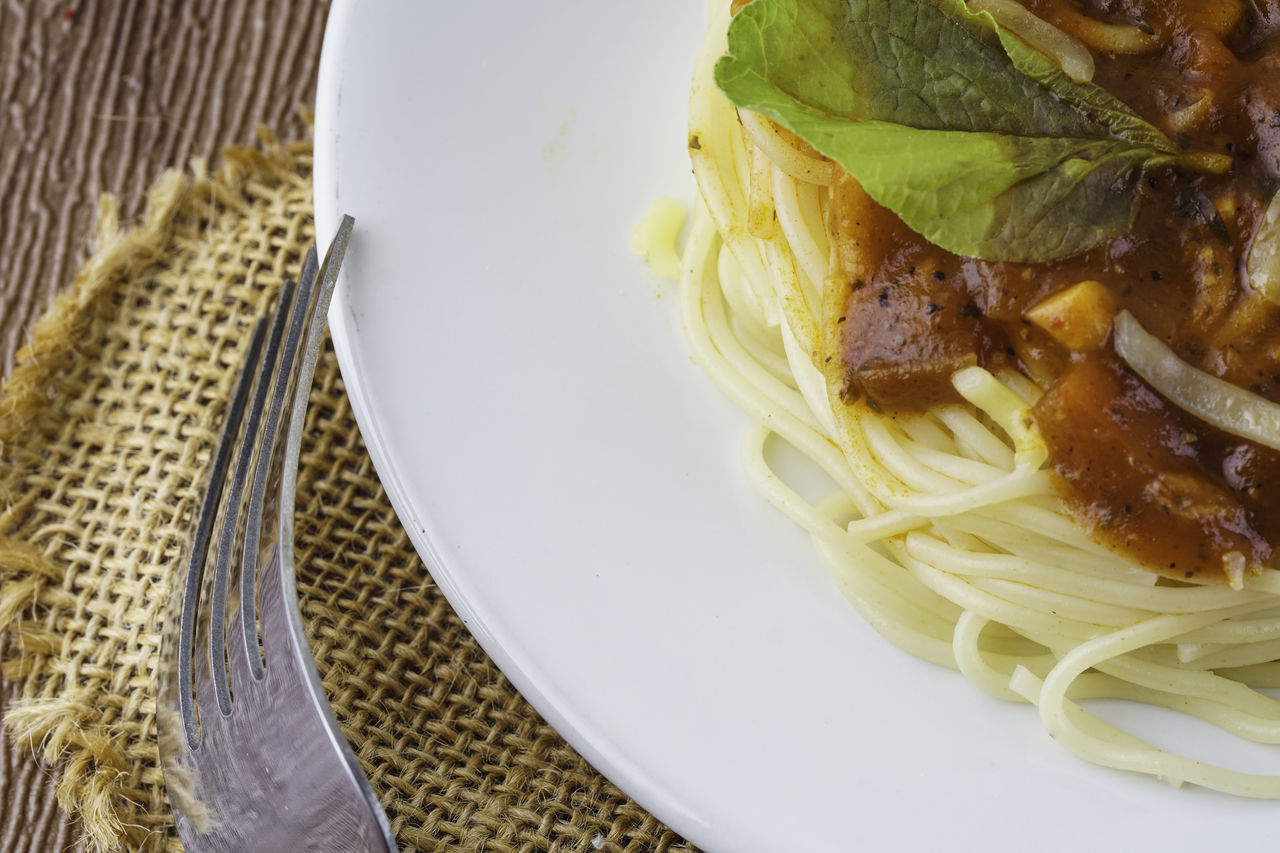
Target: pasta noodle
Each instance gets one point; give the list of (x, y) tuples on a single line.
[(944, 529)]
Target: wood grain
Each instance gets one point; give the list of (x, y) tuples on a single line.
[(102, 97)]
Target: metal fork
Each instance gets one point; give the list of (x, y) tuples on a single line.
[(252, 755)]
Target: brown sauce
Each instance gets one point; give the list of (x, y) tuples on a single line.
[(1145, 477)]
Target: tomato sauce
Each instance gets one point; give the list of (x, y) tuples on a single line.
[(1177, 494)]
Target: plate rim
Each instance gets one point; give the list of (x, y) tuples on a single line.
[(586, 739)]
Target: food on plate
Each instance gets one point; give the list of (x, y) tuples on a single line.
[(1008, 272)]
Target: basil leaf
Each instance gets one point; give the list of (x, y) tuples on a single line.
[(977, 141), (923, 67), (1087, 98)]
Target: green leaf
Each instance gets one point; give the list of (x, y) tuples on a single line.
[(977, 141)]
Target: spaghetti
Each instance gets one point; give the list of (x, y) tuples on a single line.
[(944, 528)]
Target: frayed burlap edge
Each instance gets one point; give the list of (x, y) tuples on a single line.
[(60, 730)]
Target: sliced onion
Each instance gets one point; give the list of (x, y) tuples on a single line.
[(1110, 38), (1214, 401), (1072, 56), (785, 155), (1262, 266)]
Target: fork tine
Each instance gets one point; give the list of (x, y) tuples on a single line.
[(204, 529), (259, 435), (326, 281), (239, 659), (277, 638), (248, 657), (252, 446)]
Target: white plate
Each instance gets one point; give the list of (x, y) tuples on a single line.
[(572, 479)]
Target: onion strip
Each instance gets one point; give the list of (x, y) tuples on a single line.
[(1212, 400), (1263, 262), (1071, 55)]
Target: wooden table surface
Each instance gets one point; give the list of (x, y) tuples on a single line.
[(102, 97)]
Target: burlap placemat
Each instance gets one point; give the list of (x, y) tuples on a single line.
[(105, 428)]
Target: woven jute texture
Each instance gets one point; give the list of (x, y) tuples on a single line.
[(106, 427)]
